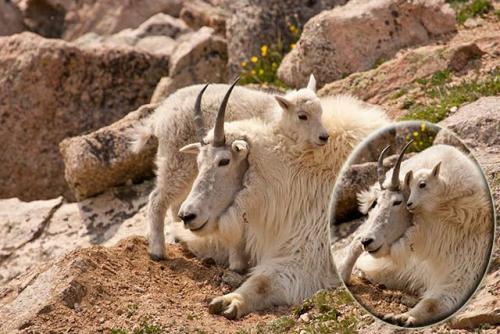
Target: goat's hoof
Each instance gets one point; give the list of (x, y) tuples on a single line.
[(403, 319), (216, 306), (228, 306), (156, 257)]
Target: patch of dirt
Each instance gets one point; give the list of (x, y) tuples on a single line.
[(121, 288), (379, 300)]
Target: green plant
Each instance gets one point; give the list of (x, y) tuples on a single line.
[(466, 9), (440, 98), (263, 68)]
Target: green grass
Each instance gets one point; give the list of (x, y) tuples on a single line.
[(144, 329), (466, 9), (442, 97)]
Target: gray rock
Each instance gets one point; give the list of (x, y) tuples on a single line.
[(51, 90), (70, 19), (254, 23), (11, 21), (356, 36), (102, 159), (198, 58)]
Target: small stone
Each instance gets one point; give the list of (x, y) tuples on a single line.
[(305, 317), (453, 109)]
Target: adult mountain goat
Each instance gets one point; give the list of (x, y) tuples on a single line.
[(281, 211), (443, 253), (174, 126)]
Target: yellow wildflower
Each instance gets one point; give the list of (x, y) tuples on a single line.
[(261, 72), (254, 59), (292, 46), (422, 127), (292, 28), (244, 64), (421, 143), (263, 50), (415, 134)]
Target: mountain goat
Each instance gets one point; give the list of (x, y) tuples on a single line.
[(174, 126), (281, 210), (443, 253)]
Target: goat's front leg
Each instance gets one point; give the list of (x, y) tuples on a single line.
[(345, 266), (157, 209), (264, 288), (434, 305)]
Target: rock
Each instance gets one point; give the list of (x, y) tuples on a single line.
[(484, 309), (156, 35), (390, 82), (197, 14), (254, 23), (62, 227), (72, 19), (23, 222), (233, 279), (10, 19), (199, 57), (356, 36), (51, 90), (97, 161)]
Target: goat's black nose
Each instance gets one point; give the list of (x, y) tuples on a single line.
[(187, 217), (324, 137), (366, 241), (409, 204)]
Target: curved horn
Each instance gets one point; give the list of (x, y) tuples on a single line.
[(198, 116), (219, 138), (395, 172), (380, 167)]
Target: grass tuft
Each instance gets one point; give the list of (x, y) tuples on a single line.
[(466, 9), (442, 97)]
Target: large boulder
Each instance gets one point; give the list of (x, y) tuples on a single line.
[(71, 19), (254, 23), (51, 90), (356, 36), (155, 35), (199, 57), (11, 20), (97, 161), (198, 13)]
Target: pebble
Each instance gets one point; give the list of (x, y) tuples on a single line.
[(305, 317)]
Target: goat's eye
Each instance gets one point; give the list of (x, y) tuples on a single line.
[(397, 203), (303, 117), (223, 162), (373, 204), (422, 185)]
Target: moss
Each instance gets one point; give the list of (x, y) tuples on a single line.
[(145, 328), (277, 326), (467, 9), (442, 97)]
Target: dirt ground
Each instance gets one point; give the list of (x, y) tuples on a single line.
[(124, 291)]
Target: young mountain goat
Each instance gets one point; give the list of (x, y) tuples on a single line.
[(444, 252), (281, 211), (174, 126)]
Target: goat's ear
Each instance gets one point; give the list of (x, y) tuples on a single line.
[(284, 103), (366, 199), (239, 146), (408, 178), (435, 170), (312, 83), (193, 148)]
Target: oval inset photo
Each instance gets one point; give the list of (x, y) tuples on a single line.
[(412, 224)]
